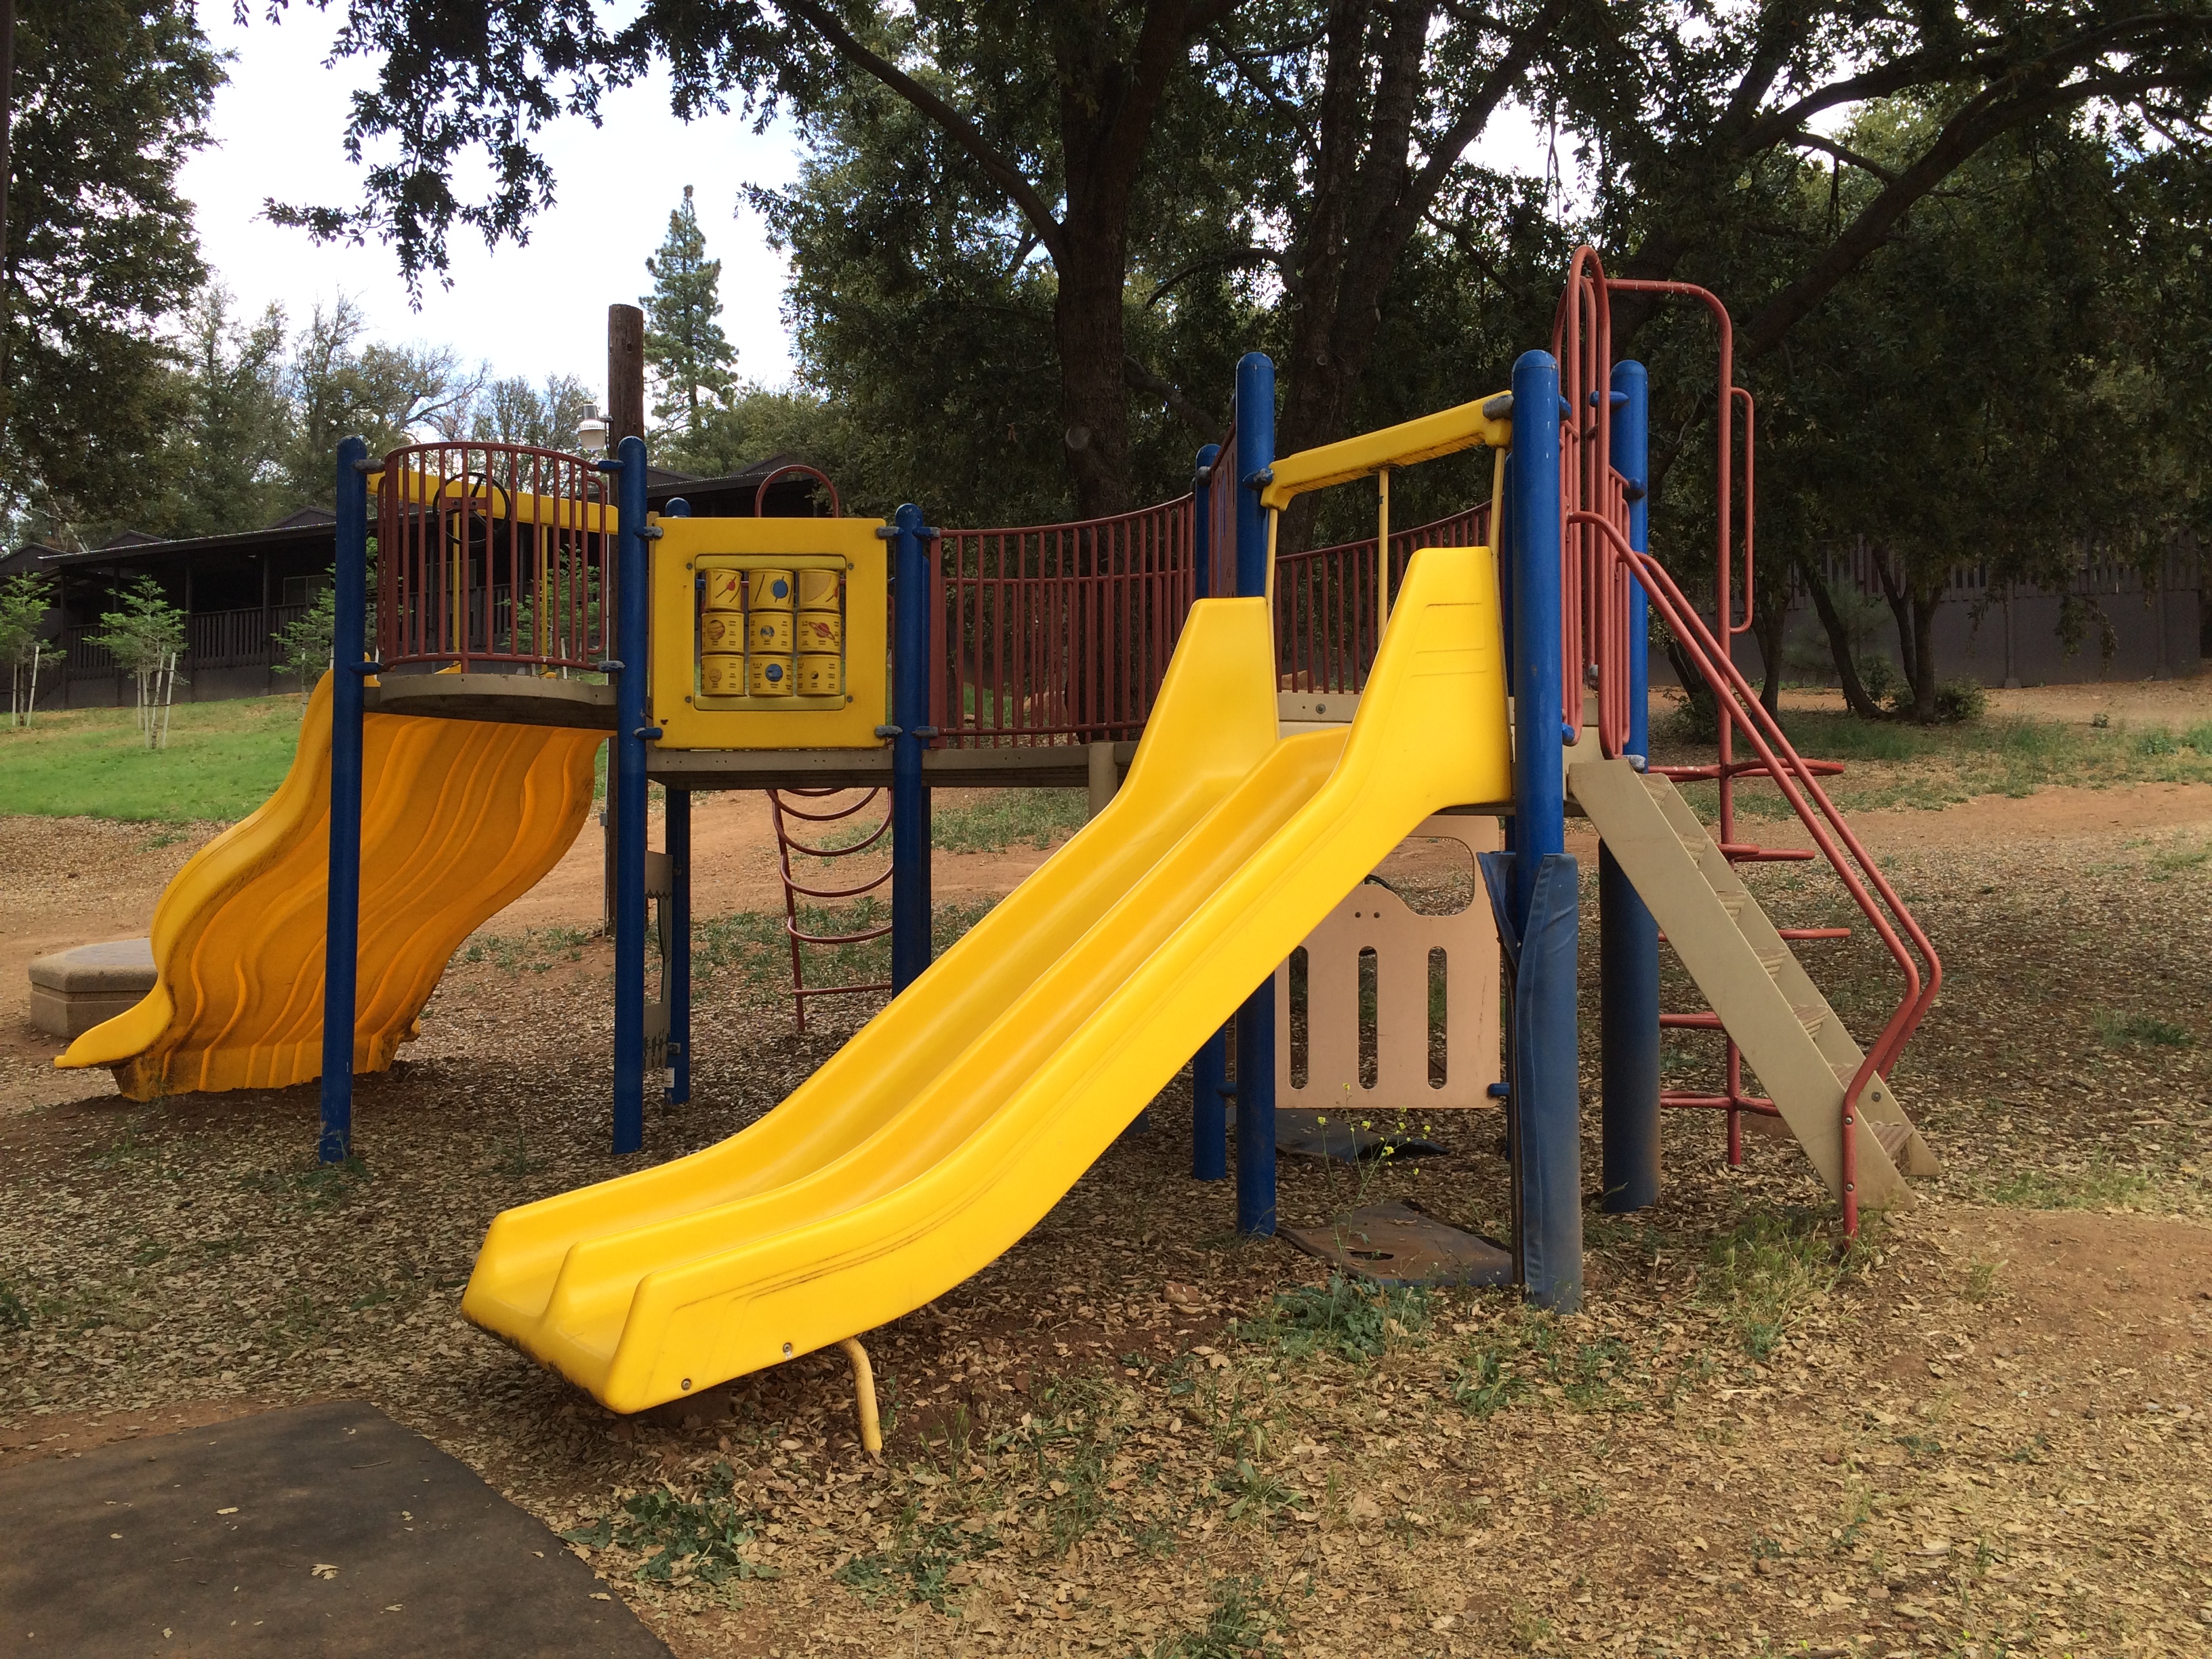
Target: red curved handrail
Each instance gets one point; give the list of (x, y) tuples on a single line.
[(1740, 706), (760, 495)]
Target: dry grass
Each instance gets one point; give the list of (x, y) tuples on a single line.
[(1137, 1435)]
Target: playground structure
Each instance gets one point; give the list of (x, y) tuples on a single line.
[(1496, 662)]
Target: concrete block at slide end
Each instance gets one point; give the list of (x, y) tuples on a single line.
[(74, 990)]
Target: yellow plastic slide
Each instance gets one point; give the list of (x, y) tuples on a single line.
[(459, 818), (953, 1122)]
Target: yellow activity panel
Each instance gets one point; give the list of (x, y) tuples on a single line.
[(769, 632)]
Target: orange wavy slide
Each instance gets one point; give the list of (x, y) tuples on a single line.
[(459, 818)]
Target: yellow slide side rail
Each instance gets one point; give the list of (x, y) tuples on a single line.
[(1444, 433)]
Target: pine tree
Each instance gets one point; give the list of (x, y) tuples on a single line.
[(684, 345)]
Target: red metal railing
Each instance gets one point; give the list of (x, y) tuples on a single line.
[(1598, 563), (1058, 634), (781, 811), (1326, 609), (493, 555)]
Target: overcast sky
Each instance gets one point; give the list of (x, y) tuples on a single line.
[(534, 310), (538, 309)]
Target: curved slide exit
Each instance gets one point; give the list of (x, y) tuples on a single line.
[(954, 1120), (459, 818)]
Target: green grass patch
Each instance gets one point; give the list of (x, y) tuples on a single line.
[(223, 760), (2123, 1031), (1352, 1321), (1241, 1625), (704, 1538), (752, 945), (2099, 1186), (971, 821), (1767, 1270), (1896, 763), (535, 950)]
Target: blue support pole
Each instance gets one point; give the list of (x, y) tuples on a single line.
[(1628, 936), (627, 785), (676, 832), (342, 927), (909, 538), (1209, 1066), (1255, 1020), (1545, 1101), (1532, 499)]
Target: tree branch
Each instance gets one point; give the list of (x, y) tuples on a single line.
[(1849, 157), (1233, 258), (1208, 426), (999, 167)]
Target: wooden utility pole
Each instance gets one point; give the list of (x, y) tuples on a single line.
[(625, 419), (625, 372)]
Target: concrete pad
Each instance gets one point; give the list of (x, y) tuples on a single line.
[(326, 1530), (74, 990)]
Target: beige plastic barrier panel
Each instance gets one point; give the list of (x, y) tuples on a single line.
[(1374, 918)]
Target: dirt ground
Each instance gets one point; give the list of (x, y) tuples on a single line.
[(1980, 1431)]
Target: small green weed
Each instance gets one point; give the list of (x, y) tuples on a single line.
[(1981, 1284), (1343, 1317), (1252, 1492), (1483, 1386), (15, 1315), (1242, 1625), (2100, 1186), (1920, 1447), (920, 1565), (703, 1538), (2119, 1030), (1769, 1270), (2157, 741)]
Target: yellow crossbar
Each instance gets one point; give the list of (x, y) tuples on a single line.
[(1444, 433)]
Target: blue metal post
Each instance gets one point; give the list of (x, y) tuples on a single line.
[(1255, 1020), (1545, 1101), (676, 832), (1209, 1066), (627, 787), (342, 927), (910, 945), (1532, 498), (1628, 936)]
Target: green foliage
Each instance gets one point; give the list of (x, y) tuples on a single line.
[(343, 384), (222, 457), (110, 99), (684, 344), (1768, 1270), (2119, 1031), (307, 640), (920, 1563), (704, 1538), (143, 629), (14, 1314), (1352, 1321), (1241, 1625), (1960, 701), (511, 410)]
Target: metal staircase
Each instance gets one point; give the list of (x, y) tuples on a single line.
[(1759, 992), (1833, 1096)]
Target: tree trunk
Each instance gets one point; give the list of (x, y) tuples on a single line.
[(1896, 592), (1094, 399), (1839, 644), (1770, 623), (1924, 605)]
